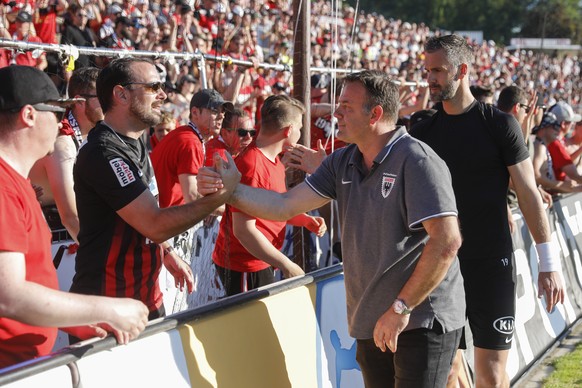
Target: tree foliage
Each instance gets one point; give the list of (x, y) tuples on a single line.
[(499, 20)]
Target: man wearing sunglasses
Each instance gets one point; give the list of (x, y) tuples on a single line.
[(515, 101), (31, 305), (54, 173), (236, 134), (123, 231)]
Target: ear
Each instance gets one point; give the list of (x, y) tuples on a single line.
[(462, 71), (82, 102), (514, 109), (376, 114), (120, 94), (287, 131), (28, 115)]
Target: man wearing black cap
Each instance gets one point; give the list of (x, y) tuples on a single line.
[(177, 159), (546, 133), (31, 306), (123, 231), (23, 31)]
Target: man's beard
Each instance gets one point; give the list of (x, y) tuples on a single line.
[(150, 119), (446, 93), (93, 115)]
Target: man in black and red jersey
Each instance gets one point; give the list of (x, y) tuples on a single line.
[(123, 231)]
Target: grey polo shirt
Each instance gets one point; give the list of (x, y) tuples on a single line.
[(381, 215)]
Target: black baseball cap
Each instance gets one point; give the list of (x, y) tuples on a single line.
[(24, 17), (26, 85), (211, 99), (319, 81), (549, 120)]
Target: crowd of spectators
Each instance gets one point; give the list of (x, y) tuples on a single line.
[(262, 32)]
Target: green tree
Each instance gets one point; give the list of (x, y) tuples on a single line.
[(498, 19), (554, 19)]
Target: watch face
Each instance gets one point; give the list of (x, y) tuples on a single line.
[(400, 307)]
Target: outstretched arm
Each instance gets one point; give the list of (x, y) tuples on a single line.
[(259, 203), (34, 304)]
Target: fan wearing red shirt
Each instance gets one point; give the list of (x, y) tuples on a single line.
[(23, 32), (31, 305), (176, 160), (247, 248), (45, 19), (236, 134)]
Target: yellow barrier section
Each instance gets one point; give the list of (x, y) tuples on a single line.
[(265, 343)]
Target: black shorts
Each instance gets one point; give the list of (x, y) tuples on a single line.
[(490, 294), (235, 282)]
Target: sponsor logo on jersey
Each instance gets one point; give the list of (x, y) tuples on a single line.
[(504, 325), (387, 184), (122, 171)]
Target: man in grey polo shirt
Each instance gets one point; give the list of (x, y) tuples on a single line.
[(399, 236)]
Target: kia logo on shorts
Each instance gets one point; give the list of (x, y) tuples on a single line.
[(504, 325)]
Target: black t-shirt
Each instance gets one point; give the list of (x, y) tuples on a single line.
[(85, 38), (478, 151), (113, 258)]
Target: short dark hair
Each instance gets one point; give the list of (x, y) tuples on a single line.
[(510, 96), (278, 111), (380, 90), (456, 48), (480, 92), (231, 115), (82, 81), (117, 72)]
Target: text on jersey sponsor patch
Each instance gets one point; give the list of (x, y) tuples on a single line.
[(122, 171)]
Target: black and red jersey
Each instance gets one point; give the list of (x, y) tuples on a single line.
[(113, 258)]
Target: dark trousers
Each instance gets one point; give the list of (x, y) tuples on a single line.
[(235, 282), (423, 359)]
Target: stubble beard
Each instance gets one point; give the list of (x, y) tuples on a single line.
[(150, 118), (446, 93)]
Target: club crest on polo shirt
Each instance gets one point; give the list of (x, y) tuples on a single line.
[(387, 184), (122, 171)]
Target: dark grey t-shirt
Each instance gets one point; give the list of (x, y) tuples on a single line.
[(381, 215)]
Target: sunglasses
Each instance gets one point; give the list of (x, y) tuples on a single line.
[(244, 132), (57, 110), (150, 87), (525, 107)]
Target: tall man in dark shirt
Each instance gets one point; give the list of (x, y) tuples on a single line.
[(483, 147)]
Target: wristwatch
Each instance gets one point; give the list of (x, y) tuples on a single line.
[(400, 307)]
